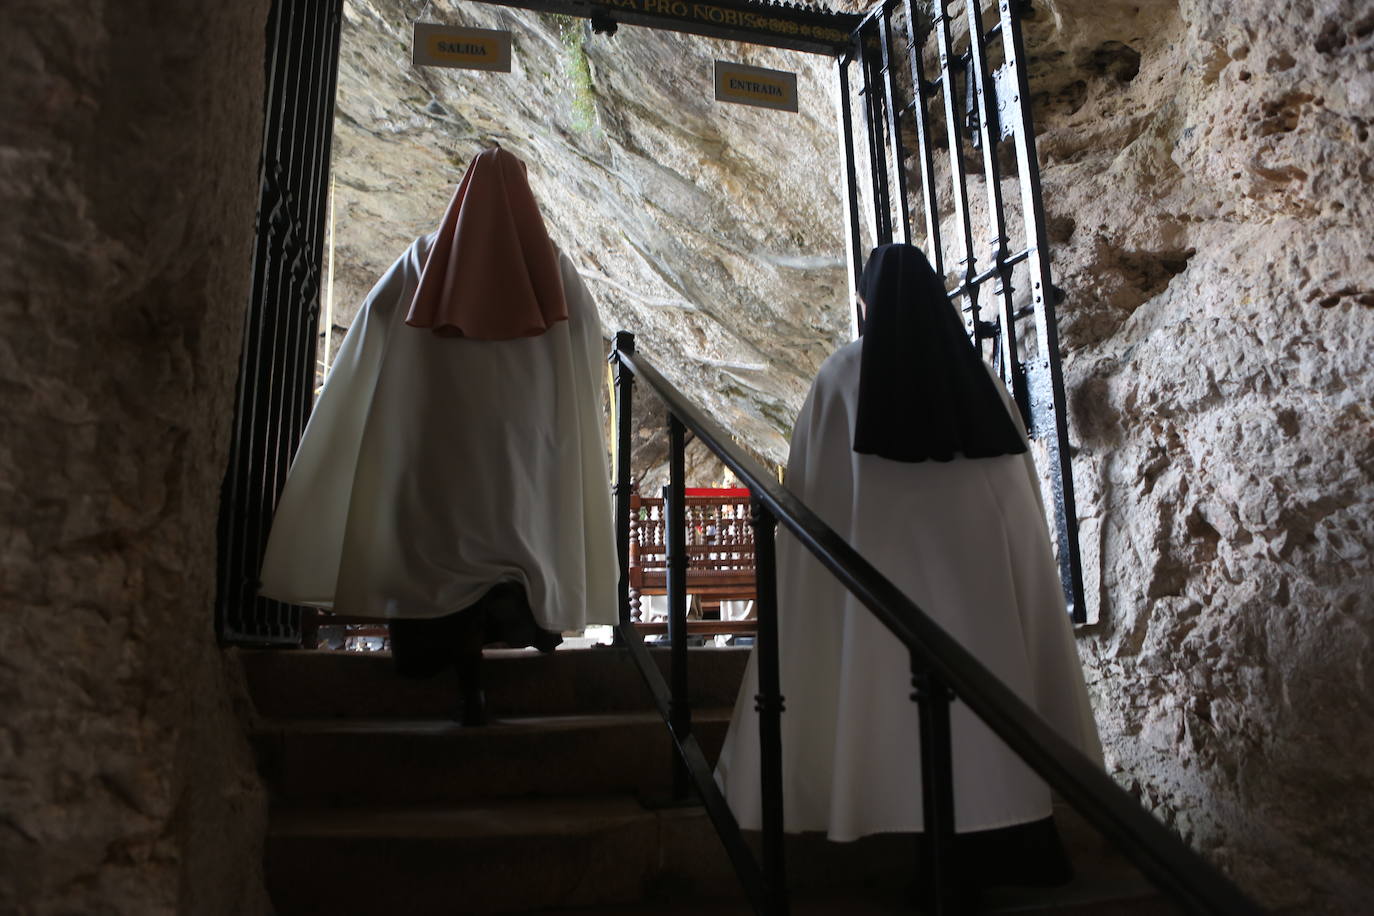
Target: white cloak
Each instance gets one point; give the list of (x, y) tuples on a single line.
[(966, 540), (434, 467)]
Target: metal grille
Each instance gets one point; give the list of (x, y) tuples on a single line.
[(956, 103), (278, 356)]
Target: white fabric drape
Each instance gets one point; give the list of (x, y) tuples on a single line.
[(434, 467), (966, 540)]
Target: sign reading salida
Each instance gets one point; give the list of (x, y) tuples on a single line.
[(465, 49), (756, 86)]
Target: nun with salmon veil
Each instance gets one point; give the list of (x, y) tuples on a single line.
[(453, 476), (911, 450)]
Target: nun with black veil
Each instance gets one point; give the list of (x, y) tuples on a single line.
[(911, 450)]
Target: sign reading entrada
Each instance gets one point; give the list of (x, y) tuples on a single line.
[(756, 86), (464, 49)]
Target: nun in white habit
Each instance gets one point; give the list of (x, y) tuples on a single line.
[(910, 449), (454, 461)]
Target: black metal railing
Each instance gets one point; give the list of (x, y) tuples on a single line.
[(942, 670)]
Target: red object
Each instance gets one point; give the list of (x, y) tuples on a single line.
[(732, 492)]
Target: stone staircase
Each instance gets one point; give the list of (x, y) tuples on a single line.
[(382, 805)]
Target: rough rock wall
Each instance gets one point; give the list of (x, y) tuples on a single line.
[(711, 230), (131, 136), (1208, 172)]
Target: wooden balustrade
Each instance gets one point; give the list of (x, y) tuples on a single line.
[(720, 556)]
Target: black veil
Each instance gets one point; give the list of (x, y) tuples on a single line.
[(924, 392)]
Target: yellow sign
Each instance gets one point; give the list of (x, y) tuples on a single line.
[(756, 86), (466, 49)]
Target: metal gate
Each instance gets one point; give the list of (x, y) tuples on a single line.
[(965, 59), (278, 356)]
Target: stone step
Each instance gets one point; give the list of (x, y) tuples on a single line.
[(1088, 895), (381, 804), (312, 684), (603, 855), (1120, 898), (521, 855), (491, 857), (377, 761)]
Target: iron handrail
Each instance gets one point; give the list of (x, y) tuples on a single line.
[(699, 771), (1170, 864)]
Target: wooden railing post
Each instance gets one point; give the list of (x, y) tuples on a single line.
[(624, 396), (675, 546), (769, 703), (939, 867)]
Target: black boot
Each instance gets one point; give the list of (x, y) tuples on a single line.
[(510, 620), (472, 703)]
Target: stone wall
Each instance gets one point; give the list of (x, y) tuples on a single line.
[(131, 136), (1208, 169)]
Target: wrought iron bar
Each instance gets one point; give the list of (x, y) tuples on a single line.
[(853, 237), (1036, 385), (237, 582), (234, 489), (769, 702), (929, 197), (322, 50), (700, 773), (1045, 395), (877, 154), (298, 331), (1081, 782), (624, 398), (958, 181), (314, 177), (989, 132), (746, 867), (960, 62), (319, 202), (674, 543), (284, 296), (1009, 261), (277, 361), (939, 867), (896, 148)]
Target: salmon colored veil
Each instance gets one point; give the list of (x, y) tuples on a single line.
[(492, 273)]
